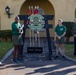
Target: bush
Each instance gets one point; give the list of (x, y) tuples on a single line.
[(69, 26), (6, 34)]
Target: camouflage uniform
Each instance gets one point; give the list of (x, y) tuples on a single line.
[(74, 32), (74, 29)]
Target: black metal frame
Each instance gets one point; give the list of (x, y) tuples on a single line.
[(46, 26)]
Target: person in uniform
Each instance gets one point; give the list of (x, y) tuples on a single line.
[(17, 38), (74, 34), (60, 31)]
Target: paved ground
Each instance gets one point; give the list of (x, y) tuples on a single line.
[(38, 64), (51, 67)]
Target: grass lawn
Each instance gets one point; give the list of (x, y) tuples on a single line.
[(4, 48), (69, 49)]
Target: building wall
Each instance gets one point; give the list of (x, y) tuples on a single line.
[(64, 9)]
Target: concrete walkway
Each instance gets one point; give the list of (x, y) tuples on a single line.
[(38, 64), (55, 67), (59, 66)]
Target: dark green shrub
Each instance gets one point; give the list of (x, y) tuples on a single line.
[(6, 34), (69, 26)]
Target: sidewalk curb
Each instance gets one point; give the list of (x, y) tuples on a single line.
[(74, 60), (71, 59), (7, 55)]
